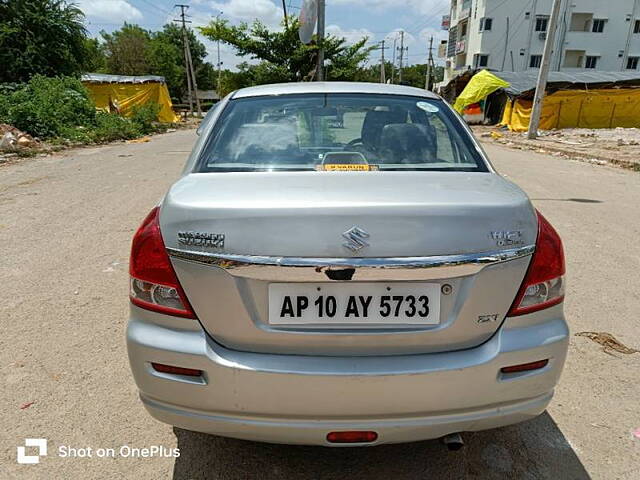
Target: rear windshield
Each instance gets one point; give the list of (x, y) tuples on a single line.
[(338, 132)]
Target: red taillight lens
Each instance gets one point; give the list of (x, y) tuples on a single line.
[(525, 367), (544, 284), (352, 437), (154, 284), (187, 372)]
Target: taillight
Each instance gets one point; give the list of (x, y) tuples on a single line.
[(153, 283), (544, 284)]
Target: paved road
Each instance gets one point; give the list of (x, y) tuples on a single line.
[(65, 227)]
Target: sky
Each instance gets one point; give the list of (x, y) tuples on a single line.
[(352, 19)]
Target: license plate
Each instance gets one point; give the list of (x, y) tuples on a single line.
[(354, 304)]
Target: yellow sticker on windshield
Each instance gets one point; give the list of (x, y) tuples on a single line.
[(347, 167)]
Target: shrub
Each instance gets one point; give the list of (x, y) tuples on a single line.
[(110, 127), (146, 117), (47, 106)]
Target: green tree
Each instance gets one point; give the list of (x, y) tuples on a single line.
[(40, 37), (207, 76), (127, 50), (413, 75), (94, 59), (416, 75), (167, 58), (164, 59), (283, 56)]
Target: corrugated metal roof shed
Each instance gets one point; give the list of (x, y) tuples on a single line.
[(525, 81), (106, 78)]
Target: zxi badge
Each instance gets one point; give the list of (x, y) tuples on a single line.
[(356, 239)]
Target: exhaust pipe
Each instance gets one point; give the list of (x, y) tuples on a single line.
[(453, 442)]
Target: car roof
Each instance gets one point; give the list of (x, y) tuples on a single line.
[(332, 87)]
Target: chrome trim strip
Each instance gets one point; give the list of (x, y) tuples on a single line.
[(230, 261)]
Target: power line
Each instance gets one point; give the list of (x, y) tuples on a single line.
[(421, 22), (160, 9), (511, 34)]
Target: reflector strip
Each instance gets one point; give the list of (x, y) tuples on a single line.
[(352, 437), (188, 372), (525, 367)]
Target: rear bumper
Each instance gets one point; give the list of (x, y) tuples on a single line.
[(299, 399)]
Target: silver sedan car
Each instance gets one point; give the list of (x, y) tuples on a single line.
[(339, 264)]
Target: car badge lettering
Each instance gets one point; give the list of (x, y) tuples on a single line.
[(488, 318), (505, 238), (356, 239), (201, 239)]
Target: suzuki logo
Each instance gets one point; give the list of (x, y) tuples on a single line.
[(356, 239), (41, 443)]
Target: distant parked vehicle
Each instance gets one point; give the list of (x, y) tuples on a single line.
[(368, 284)]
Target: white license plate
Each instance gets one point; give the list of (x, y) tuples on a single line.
[(347, 304)]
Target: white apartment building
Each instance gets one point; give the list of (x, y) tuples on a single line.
[(509, 35)]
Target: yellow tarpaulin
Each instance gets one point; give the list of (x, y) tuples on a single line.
[(122, 97), (578, 109), (479, 87)]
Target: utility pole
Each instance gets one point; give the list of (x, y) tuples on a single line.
[(284, 10), (541, 87), (393, 61), (401, 56), (428, 84), (383, 77), (320, 67), (192, 86)]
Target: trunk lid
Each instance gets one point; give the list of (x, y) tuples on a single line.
[(300, 214)]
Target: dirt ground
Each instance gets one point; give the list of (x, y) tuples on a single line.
[(66, 223), (617, 146)]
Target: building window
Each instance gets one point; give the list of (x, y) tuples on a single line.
[(541, 24), (632, 63), (486, 24), (535, 61), (598, 25), (591, 62), (636, 27), (480, 60)]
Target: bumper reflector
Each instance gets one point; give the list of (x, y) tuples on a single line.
[(525, 367), (187, 372), (352, 437)]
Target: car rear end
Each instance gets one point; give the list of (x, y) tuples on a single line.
[(329, 300)]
